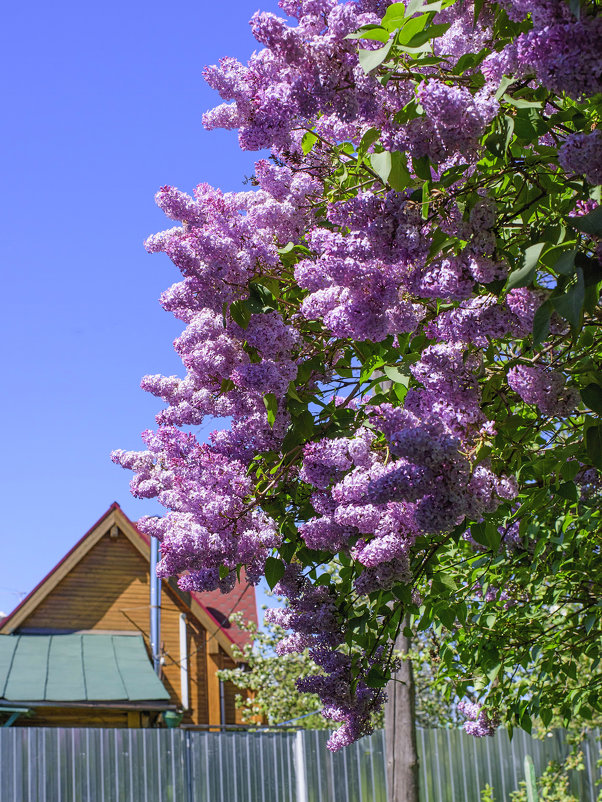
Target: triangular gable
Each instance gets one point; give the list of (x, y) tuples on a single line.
[(115, 516)]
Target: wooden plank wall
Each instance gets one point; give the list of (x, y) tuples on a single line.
[(86, 717)]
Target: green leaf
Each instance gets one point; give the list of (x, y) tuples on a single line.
[(568, 490), (541, 324), (381, 164), (565, 264), (570, 304), (271, 404), (446, 615), (399, 177), (261, 298), (592, 269), (444, 584), (411, 28), (426, 189), (467, 62), (240, 312), (525, 274), (420, 6), (529, 125), (439, 240), (493, 670), (422, 167), (287, 551), (394, 17), (590, 621), (530, 781), (589, 223), (308, 141), (592, 397), (400, 391), (304, 424), (422, 37), (226, 385), (486, 534), (504, 84), (498, 142), (391, 169), (520, 103), (593, 444), (274, 571), (396, 375), (224, 571), (375, 32), (426, 61), (570, 469), (370, 365), (546, 715), (508, 131), (368, 139), (375, 678), (371, 59)]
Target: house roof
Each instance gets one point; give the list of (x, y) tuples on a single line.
[(212, 610), (78, 668)]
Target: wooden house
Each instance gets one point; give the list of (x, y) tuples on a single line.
[(76, 650)]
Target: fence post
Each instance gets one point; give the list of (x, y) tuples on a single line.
[(300, 770), (188, 766)]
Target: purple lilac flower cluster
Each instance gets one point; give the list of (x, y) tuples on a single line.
[(479, 722), (308, 75), (564, 53), (313, 616), (582, 153), (543, 387), (375, 510), (210, 524), (357, 279)]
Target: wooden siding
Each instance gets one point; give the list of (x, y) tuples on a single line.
[(108, 590), (87, 717), (233, 715)]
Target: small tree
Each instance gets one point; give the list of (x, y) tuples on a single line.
[(268, 681)]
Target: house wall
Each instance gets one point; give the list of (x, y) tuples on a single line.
[(87, 717)]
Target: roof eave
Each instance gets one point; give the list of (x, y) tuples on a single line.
[(150, 704)]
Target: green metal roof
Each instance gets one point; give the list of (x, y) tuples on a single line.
[(77, 668)]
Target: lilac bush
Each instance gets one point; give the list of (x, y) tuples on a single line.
[(395, 323)]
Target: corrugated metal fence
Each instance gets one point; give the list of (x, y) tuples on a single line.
[(94, 765)]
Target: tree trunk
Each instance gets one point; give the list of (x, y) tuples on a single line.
[(400, 730)]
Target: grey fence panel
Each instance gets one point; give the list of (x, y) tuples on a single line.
[(355, 774), (456, 766), (102, 765), (241, 766)]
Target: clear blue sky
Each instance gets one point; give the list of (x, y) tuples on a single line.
[(102, 105)]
